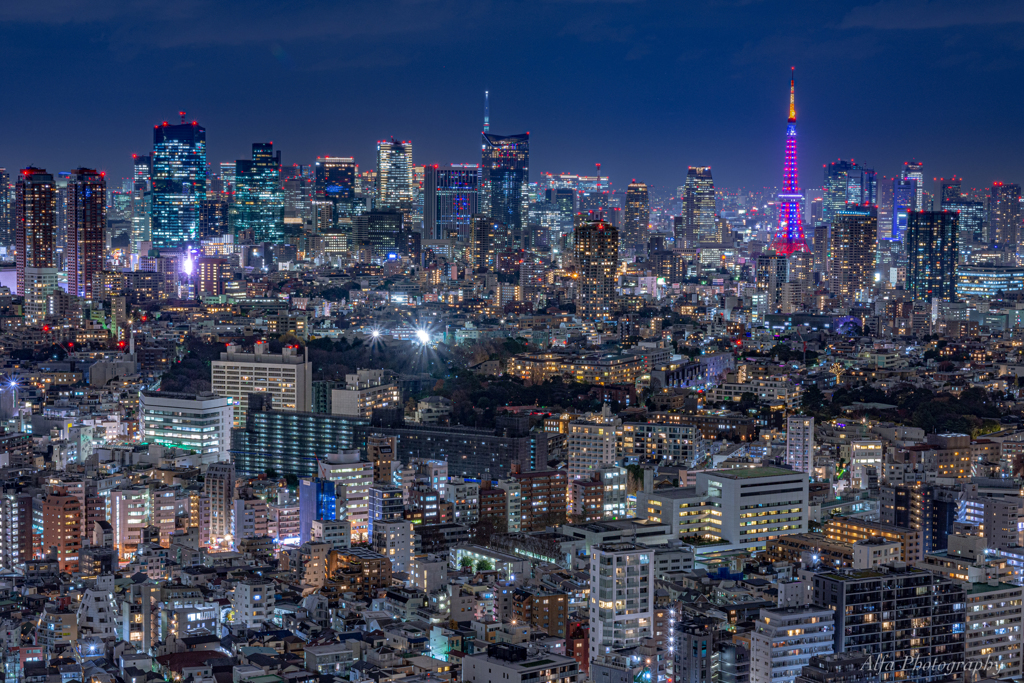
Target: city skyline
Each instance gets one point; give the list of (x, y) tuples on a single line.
[(716, 105)]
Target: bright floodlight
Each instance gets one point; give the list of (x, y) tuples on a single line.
[(423, 336), (375, 334), (188, 265)]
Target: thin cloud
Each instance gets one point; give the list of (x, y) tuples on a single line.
[(893, 15)]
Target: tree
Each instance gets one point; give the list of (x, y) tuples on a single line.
[(484, 566), (466, 563)]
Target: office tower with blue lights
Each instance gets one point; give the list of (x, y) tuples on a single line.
[(334, 182), (259, 196), (932, 247), (87, 221), (638, 218), (847, 182), (789, 236), (698, 207), (6, 220), (317, 502), (505, 180), (451, 199), (904, 193), (1004, 215), (179, 183)]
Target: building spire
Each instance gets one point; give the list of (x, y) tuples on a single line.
[(487, 111), (792, 95)]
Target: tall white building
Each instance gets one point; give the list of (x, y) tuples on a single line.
[(287, 377), (352, 478), (465, 499), (621, 596), (394, 539), (785, 639), (591, 444), (192, 422), (800, 443)]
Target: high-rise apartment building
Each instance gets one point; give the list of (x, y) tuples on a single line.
[(87, 222), (784, 640), (854, 241), (178, 182), (596, 248), (35, 240), (505, 180), (352, 477), (395, 189), (287, 377), (904, 197), (621, 597), (896, 612), (536, 499), (800, 443), (591, 444), (259, 196), (334, 181), (451, 199), (994, 626), (1004, 215), (638, 218), (482, 239), (219, 487), (932, 248), (698, 207), (62, 528)]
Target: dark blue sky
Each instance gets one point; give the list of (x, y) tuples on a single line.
[(646, 88)]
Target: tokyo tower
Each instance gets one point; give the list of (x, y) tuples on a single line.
[(789, 237)]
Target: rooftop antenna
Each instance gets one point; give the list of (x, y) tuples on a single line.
[(487, 111), (182, 116)]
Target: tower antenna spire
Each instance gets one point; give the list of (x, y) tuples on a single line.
[(487, 111), (792, 95)]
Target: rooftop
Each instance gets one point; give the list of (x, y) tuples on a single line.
[(753, 473)]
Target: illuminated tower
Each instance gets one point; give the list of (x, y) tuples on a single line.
[(178, 167), (790, 235)]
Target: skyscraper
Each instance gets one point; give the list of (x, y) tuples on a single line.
[(847, 182), (87, 220), (259, 195), (142, 200), (6, 219), (395, 176), (334, 181), (913, 171), (1004, 215), (904, 193), (854, 240), (949, 191), (505, 180), (596, 247), (932, 255), (179, 183), (790, 235), (481, 242), (35, 227), (698, 206), (638, 217), (451, 198), (382, 231)]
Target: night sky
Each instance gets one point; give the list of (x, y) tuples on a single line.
[(645, 88)]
